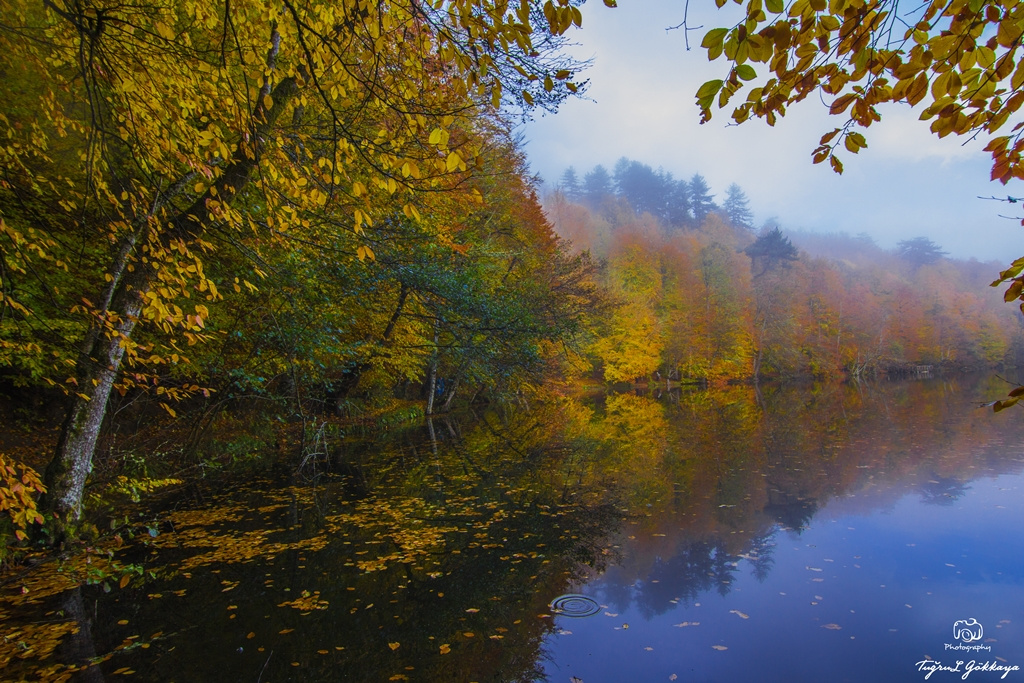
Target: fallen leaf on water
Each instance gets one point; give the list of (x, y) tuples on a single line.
[(284, 631), (649, 649), (122, 622), (832, 627), (323, 652), (469, 634), (611, 614), (720, 647), (740, 614), (251, 635), (446, 648), (673, 677), (472, 610), (625, 626), (394, 646)]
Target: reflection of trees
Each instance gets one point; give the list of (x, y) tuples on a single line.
[(791, 511), (942, 490), (760, 555), (527, 503), (695, 569), (483, 522), (698, 567)]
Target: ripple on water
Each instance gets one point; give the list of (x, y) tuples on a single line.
[(574, 605)]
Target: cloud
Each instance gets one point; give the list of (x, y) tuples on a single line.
[(907, 183)]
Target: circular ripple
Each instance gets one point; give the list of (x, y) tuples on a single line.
[(574, 605)]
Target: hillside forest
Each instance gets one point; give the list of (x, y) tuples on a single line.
[(703, 295), (322, 211)]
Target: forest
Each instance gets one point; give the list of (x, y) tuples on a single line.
[(324, 211), (277, 278), (701, 294)]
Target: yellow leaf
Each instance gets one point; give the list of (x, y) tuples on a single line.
[(454, 161)]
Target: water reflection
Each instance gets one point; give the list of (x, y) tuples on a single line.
[(793, 526)]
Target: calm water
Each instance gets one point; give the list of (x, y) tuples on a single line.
[(833, 533)]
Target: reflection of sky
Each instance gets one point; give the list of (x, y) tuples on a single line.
[(893, 579)]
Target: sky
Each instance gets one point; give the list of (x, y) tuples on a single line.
[(640, 104)]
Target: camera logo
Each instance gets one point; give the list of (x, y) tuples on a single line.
[(967, 630)]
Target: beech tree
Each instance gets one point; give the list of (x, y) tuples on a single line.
[(146, 135)]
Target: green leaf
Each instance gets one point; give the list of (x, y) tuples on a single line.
[(746, 72), (774, 6), (709, 89), (714, 37)]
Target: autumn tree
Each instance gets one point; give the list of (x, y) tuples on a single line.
[(148, 135)]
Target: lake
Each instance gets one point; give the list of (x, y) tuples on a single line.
[(835, 532)]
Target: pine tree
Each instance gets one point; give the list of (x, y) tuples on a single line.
[(597, 185), (769, 251), (570, 185), (736, 207), (701, 200), (919, 251)]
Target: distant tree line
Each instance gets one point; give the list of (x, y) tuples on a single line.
[(721, 302), (678, 204)]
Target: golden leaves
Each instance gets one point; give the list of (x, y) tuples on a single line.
[(307, 602), (19, 485)]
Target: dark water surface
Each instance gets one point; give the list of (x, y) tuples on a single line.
[(833, 533)]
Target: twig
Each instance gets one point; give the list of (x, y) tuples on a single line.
[(686, 29), (265, 666)]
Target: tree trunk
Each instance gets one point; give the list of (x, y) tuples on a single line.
[(432, 376), (103, 350), (97, 368)]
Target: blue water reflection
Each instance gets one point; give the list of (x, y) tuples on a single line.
[(867, 589)]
